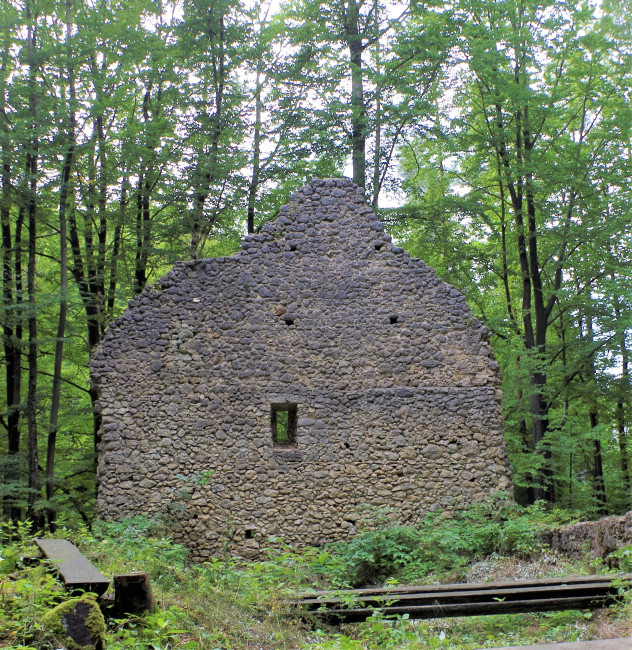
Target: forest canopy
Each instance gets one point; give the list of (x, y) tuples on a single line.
[(493, 138)]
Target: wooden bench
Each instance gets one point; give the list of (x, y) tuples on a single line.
[(464, 599), (75, 570)]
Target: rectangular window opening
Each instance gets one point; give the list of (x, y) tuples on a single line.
[(284, 419)]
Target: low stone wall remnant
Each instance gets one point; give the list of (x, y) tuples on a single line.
[(598, 538)]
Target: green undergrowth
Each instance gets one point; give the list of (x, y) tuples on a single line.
[(231, 603), (444, 544)]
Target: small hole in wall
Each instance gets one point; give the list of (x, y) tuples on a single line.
[(379, 245), (393, 319), (292, 247), (289, 321), (249, 533)]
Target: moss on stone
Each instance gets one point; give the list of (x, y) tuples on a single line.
[(78, 623)]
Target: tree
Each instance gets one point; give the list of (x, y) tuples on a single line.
[(211, 36), (372, 95), (542, 125), (12, 315), (29, 194)]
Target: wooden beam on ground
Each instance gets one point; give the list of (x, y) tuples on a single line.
[(479, 586), (464, 599), (75, 570)]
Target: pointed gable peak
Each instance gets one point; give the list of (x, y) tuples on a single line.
[(326, 216)]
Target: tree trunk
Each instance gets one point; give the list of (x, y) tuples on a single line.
[(378, 110), (598, 479), (31, 210), (358, 107), (11, 338), (256, 156), (621, 410), (207, 165), (535, 312), (53, 423), (142, 230), (539, 402), (116, 246), (91, 302), (11, 317)]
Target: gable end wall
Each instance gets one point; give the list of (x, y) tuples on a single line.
[(397, 391)]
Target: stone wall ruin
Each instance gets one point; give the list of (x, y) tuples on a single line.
[(285, 389)]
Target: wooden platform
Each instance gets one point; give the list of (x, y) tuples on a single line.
[(75, 570), (464, 599)]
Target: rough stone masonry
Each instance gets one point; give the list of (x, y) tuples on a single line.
[(298, 386)]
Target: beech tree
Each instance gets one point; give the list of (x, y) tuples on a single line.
[(367, 90), (537, 124), (134, 134), (12, 274)]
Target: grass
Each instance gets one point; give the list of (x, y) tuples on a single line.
[(230, 603)]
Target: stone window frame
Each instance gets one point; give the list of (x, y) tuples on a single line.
[(291, 408)]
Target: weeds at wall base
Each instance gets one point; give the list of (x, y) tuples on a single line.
[(229, 603)]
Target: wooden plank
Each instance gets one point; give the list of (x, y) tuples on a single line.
[(465, 599), (467, 595), (469, 585), (75, 570), (598, 644), (465, 609)]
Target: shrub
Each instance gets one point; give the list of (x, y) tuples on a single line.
[(442, 544)]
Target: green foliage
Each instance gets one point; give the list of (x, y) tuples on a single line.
[(229, 603), (442, 545), (158, 631), (25, 593), (622, 558), (517, 196), (374, 555), (130, 545)]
